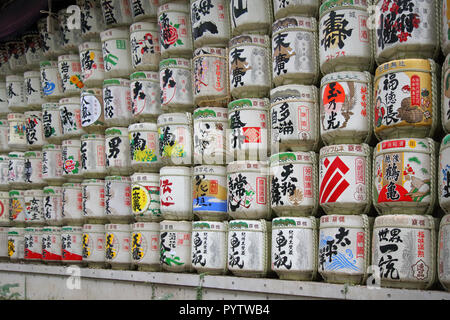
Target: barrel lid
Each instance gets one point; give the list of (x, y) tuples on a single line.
[(116, 82), (404, 145), (349, 221), (346, 76), (145, 177), (211, 113), (174, 118), (291, 22), (403, 220), (174, 62), (249, 39), (293, 222), (339, 4), (210, 51), (175, 171), (247, 166), (147, 126), (115, 33), (401, 65), (146, 226), (173, 6), (70, 100), (145, 75), (349, 149), (90, 45), (33, 154), (248, 104), (210, 170), (292, 157), (116, 131), (216, 226), (247, 225), (293, 91), (144, 26)]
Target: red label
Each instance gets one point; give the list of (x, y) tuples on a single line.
[(261, 190), (69, 256), (360, 245), (47, 255), (307, 182), (213, 187), (393, 144), (303, 118), (32, 255), (360, 170), (415, 90), (333, 183), (252, 134)]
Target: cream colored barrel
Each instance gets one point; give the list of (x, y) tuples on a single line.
[(175, 246), (4, 257), (116, 13), (17, 132), (254, 17), (34, 96), (33, 169), (117, 151), (16, 244), (72, 244), (443, 257), (15, 92), (93, 201), (72, 204), (17, 207), (33, 245), (118, 199), (34, 207), (145, 202), (92, 64), (34, 130), (94, 245), (51, 80), (92, 22), (51, 245), (145, 251), (117, 102), (282, 8), (445, 94), (69, 68), (52, 164), (4, 212), (71, 160), (144, 147), (92, 111), (53, 205), (145, 95), (117, 246), (116, 52), (145, 47), (93, 164)]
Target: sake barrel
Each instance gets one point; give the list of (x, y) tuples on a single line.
[(344, 37), (33, 244), (294, 118), (145, 252), (51, 245), (405, 94), (4, 244), (144, 147), (16, 170), (295, 56), (16, 244), (92, 111), (406, 30), (145, 47), (345, 179), (17, 207), (145, 96), (50, 34), (34, 96), (93, 201), (117, 102), (294, 184), (209, 246), (404, 250), (249, 66), (92, 64), (34, 130), (4, 135), (344, 248), (346, 114), (117, 151), (209, 184), (4, 168), (72, 204), (175, 246), (116, 52), (117, 246), (249, 248), (92, 22), (175, 193), (16, 51), (444, 175), (17, 132), (4, 108), (52, 164), (4, 209), (445, 95), (4, 64), (71, 159), (33, 48), (116, 13), (248, 190), (175, 138), (144, 10), (294, 248), (404, 176), (51, 122), (71, 118), (210, 24), (51, 82), (69, 68), (94, 245), (248, 134), (72, 245), (34, 207), (71, 37), (443, 258), (145, 202), (33, 169), (15, 92), (210, 77), (282, 9), (118, 199), (250, 17), (53, 205), (93, 156), (175, 84), (175, 30)]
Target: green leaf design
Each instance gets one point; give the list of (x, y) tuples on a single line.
[(179, 42), (414, 159), (177, 25)]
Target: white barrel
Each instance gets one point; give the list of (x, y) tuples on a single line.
[(51, 122), (4, 168), (445, 94), (294, 184), (72, 204), (344, 248), (71, 117), (282, 8), (92, 111), (92, 64), (117, 102), (250, 16), (295, 56), (93, 164), (53, 205), (92, 22), (145, 95), (116, 13), (4, 243), (50, 36), (175, 30), (17, 132), (71, 159), (144, 10), (94, 245), (116, 52), (406, 99), (16, 170), (117, 245), (117, 151), (209, 185), (34, 52), (17, 207), (118, 199), (16, 52), (4, 108), (4, 63), (33, 169), (34, 207), (175, 84), (404, 251), (294, 118), (248, 190), (345, 179), (145, 202), (175, 246), (210, 23), (93, 200), (406, 30), (33, 244), (294, 248), (15, 92), (209, 247), (345, 41), (4, 135), (210, 77), (175, 194), (404, 176), (51, 245), (34, 130), (52, 164), (145, 251), (51, 82), (34, 96), (144, 147), (16, 244), (175, 138), (346, 113), (444, 175), (145, 47), (72, 244), (249, 248), (443, 257), (249, 129), (71, 37), (69, 68), (249, 66), (4, 209)]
